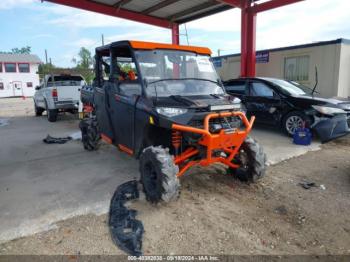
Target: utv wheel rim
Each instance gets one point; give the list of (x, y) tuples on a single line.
[(293, 123), (243, 160)]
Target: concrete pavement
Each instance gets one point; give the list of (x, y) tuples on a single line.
[(41, 184)]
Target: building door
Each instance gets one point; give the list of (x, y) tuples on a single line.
[(17, 88)]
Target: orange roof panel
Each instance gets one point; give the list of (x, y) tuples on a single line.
[(151, 45)]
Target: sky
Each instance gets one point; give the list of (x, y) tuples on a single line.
[(62, 31)]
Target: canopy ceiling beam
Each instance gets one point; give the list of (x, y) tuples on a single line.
[(193, 9), (116, 12), (272, 4)]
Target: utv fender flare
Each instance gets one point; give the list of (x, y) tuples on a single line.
[(149, 139)]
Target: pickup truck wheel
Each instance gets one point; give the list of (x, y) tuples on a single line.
[(90, 135), (252, 161), (52, 115), (38, 111), (158, 175)]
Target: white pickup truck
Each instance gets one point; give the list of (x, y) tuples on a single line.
[(58, 93)]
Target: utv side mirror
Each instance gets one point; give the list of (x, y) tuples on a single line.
[(37, 88)]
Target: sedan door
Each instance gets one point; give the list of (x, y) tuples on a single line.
[(237, 88), (263, 102)]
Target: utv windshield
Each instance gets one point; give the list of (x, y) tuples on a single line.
[(169, 72)]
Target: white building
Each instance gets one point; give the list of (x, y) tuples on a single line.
[(297, 63), (18, 74)]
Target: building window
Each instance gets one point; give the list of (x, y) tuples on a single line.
[(296, 68), (23, 68), (10, 68), (29, 84), (1, 86), (0, 67)]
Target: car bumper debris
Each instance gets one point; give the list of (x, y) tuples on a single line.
[(330, 128), (126, 231), (56, 140)]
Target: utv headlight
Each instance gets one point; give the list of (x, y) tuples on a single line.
[(171, 111), (326, 110)]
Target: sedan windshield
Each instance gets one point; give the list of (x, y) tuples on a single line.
[(170, 72), (291, 88)]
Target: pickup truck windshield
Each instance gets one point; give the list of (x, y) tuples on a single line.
[(171, 72)]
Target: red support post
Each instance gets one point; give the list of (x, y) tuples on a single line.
[(251, 44), (175, 34), (248, 40), (244, 29)]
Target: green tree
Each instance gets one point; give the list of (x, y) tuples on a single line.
[(125, 67), (24, 50), (45, 69), (84, 64)]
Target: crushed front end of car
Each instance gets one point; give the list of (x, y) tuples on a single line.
[(330, 122)]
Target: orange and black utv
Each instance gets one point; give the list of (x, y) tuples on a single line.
[(165, 105)]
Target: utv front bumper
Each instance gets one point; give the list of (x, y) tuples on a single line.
[(219, 147), (331, 128)]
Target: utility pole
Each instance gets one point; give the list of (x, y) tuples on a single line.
[(219, 51), (46, 56), (103, 39), (50, 61)]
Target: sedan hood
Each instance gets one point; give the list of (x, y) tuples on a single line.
[(333, 102)]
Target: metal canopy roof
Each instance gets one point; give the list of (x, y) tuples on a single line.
[(177, 11), (163, 12), (171, 13)]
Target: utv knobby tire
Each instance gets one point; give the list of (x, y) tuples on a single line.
[(158, 175), (254, 167), (90, 134)]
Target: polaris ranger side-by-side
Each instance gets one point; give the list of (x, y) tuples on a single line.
[(165, 105)]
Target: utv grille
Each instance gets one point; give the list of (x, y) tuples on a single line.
[(225, 123)]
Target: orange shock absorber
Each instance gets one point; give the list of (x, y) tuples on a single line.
[(176, 140)]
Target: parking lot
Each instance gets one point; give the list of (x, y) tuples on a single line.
[(42, 184)]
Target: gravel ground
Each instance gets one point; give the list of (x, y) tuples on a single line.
[(9, 107), (219, 215)]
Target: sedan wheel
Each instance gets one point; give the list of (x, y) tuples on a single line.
[(293, 123)]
